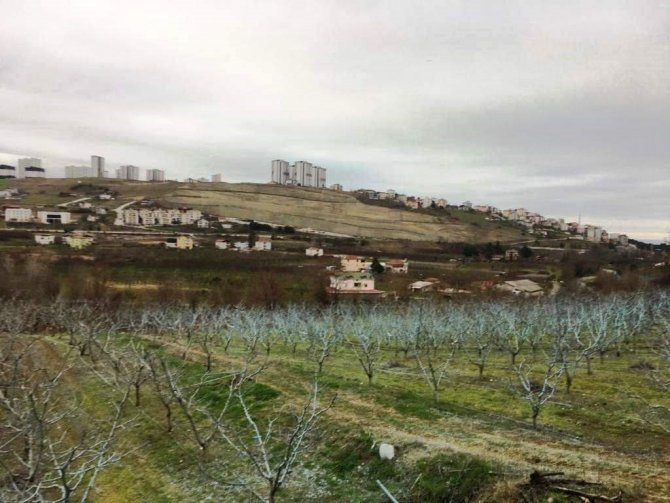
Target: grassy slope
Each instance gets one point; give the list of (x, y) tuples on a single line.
[(300, 207), (590, 434)]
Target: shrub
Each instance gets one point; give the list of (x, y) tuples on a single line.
[(451, 478)]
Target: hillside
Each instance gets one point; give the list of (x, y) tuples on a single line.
[(320, 209)]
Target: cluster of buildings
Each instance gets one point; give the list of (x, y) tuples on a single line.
[(162, 216), (300, 173), (77, 240), (15, 214), (537, 223), (216, 178), (534, 222), (97, 169), (411, 202), (28, 167)]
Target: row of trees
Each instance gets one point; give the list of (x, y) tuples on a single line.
[(176, 356)]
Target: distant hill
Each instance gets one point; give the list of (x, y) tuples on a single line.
[(320, 209)]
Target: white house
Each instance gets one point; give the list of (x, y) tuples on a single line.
[(78, 240), (45, 239), (355, 283), (202, 224), (54, 217), (105, 197), (397, 265), (18, 215), (314, 252), (422, 286), (221, 244), (241, 245), (263, 244)]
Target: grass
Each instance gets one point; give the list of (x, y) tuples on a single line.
[(447, 451)]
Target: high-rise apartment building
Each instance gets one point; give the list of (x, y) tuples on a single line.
[(7, 171), (30, 167), (319, 177), (281, 172), (301, 173), (98, 166), (128, 172), (155, 175), (217, 178), (79, 172)]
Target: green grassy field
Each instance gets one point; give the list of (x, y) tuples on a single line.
[(478, 425)]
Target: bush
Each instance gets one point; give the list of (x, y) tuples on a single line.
[(451, 478)]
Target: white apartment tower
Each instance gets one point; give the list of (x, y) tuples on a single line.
[(155, 175), (98, 166), (78, 172), (303, 173), (128, 172), (30, 167), (281, 172), (319, 177), (217, 178)]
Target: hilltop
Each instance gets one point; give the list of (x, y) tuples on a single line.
[(321, 209)]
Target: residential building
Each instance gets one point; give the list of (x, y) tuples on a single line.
[(54, 217), (105, 197), (337, 186), (263, 244), (180, 242), (217, 178), (397, 265), (221, 244), (355, 283), (522, 287), (97, 166), (352, 263), (78, 240), (281, 172), (30, 167), (45, 239), (21, 215), (314, 252), (155, 175), (511, 255), (441, 203), (128, 172), (7, 171), (303, 173), (422, 286), (202, 224), (241, 245), (319, 177), (79, 172)]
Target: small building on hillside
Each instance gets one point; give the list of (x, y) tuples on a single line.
[(522, 287), (353, 263), (78, 240), (54, 217), (314, 252), (45, 239), (202, 224), (182, 242), (19, 215), (353, 283), (397, 265), (221, 244), (241, 245), (263, 244), (512, 255), (422, 286)]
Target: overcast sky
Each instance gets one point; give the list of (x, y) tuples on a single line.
[(559, 107)]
